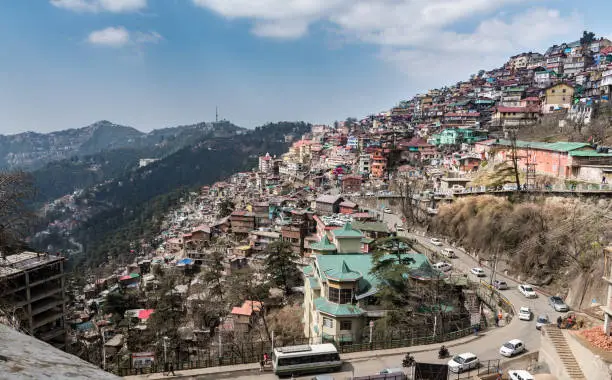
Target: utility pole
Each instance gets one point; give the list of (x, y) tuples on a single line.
[(216, 114), (494, 267), (103, 349)]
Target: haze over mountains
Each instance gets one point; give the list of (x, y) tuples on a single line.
[(31, 150)]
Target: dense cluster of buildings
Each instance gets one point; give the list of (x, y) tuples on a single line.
[(307, 197)]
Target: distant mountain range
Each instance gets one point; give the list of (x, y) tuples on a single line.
[(31, 150)]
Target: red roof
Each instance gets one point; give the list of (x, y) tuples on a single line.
[(247, 308), (145, 313), (606, 50)]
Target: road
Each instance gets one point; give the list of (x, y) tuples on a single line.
[(486, 347)]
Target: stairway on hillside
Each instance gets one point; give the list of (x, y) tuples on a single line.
[(564, 352)]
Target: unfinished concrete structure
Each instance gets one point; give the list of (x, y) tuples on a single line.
[(32, 291)]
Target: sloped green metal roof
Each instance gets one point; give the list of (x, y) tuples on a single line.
[(323, 245), (314, 283), (337, 310), (589, 153), (307, 270), (556, 146), (343, 273), (346, 231)]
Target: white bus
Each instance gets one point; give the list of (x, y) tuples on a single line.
[(295, 360)]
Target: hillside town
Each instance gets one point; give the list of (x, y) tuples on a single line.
[(342, 200)]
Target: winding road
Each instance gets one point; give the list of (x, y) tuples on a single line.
[(486, 347)]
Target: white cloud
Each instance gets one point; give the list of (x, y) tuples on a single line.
[(111, 36), (114, 6), (417, 35), (119, 37)]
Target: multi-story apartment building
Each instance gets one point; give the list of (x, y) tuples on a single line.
[(32, 286)]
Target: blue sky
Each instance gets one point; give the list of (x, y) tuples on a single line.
[(157, 63)]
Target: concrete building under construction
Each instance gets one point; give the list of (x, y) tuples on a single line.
[(32, 291)]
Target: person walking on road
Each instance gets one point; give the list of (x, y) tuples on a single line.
[(171, 370)]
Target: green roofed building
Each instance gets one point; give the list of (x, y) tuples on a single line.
[(336, 293)]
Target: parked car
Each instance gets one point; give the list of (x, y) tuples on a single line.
[(391, 370), (558, 304), (323, 377), (448, 253), (478, 272), (541, 321), (387, 211), (436, 241), (527, 291), (520, 374), (463, 362), (510, 187), (500, 285), (442, 266), (524, 313), (512, 347), (400, 228), (457, 189)]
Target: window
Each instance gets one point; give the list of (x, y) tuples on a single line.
[(346, 325), (564, 91), (346, 295), (333, 294), (328, 322), (552, 91)]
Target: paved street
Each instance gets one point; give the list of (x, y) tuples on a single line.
[(486, 347)]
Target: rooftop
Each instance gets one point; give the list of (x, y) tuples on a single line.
[(371, 226), (556, 146), (347, 232), (338, 310), (323, 245), (24, 261)]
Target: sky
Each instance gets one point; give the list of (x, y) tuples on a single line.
[(160, 63)]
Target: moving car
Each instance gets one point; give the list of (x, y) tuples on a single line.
[(520, 374), (558, 304), (442, 266), (524, 313), (512, 347), (479, 272), (541, 321), (463, 362), (527, 291), (436, 241), (500, 285), (448, 253)]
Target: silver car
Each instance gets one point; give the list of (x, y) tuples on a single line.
[(558, 304)]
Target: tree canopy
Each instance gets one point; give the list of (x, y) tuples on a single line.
[(281, 265)]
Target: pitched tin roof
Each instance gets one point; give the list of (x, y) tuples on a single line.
[(337, 310), (346, 232), (323, 245), (556, 146), (371, 226)]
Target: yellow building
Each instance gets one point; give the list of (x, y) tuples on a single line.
[(557, 97)]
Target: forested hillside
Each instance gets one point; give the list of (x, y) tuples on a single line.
[(130, 207)]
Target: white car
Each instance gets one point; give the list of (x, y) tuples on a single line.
[(436, 241), (524, 313), (448, 253), (478, 272), (387, 211), (400, 228), (387, 371), (442, 266), (463, 362), (511, 348), (527, 291), (520, 374)]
